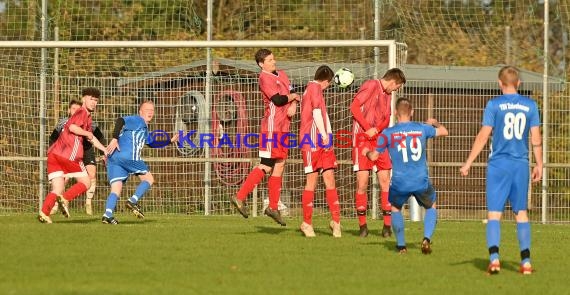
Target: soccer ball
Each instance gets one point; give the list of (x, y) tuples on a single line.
[(343, 78)]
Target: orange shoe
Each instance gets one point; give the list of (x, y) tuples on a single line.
[(494, 267), (526, 269)]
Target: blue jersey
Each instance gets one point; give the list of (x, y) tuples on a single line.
[(511, 116), (132, 139), (406, 143)]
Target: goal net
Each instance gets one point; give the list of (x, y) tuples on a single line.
[(193, 178)]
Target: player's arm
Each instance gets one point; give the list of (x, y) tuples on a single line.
[(114, 143), (292, 108), (357, 114), (53, 137), (77, 130), (380, 148), (440, 130), (536, 141), (320, 122), (281, 100), (98, 145), (478, 145), (97, 133)]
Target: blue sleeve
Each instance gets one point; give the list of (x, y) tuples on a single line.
[(429, 131), (489, 114), (534, 116), (130, 122), (383, 141)]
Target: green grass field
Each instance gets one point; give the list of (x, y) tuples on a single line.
[(231, 255)]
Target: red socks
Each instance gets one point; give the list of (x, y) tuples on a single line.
[(274, 187), (49, 202), (386, 209), (334, 206), (307, 201), (252, 180), (361, 206), (74, 191)]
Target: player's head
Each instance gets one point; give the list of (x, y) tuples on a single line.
[(89, 97), (393, 80), (265, 60), (509, 77), (146, 110), (324, 75), (404, 108), (74, 105)]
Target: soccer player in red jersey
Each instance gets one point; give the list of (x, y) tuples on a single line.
[(371, 110), (315, 138), (65, 157), (280, 105)]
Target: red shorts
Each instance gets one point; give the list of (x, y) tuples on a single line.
[(58, 166), (274, 146), (319, 160), (362, 162)]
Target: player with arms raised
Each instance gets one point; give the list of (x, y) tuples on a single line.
[(406, 142), (280, 106), (509, 118), (371, 110), (318, 155)]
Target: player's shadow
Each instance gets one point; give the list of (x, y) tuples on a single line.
[(390, 245), (98, 220), (482, 264), (272, 230)]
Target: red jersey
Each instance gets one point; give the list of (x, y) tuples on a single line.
[(275, 118), (312, 99), (69, 145), (374, 105)]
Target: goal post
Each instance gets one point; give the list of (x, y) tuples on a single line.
[(174, 74)]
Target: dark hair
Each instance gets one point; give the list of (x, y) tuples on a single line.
[(395, 74), (74, 102), (261, 54), (91, 91), (324, 73), (403, 104)]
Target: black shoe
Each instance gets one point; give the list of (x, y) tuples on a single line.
[(426, 246), (275, 215), (363, 231), (240, 206), (109, 220), (402, 249), (135, 209), (386, 231)]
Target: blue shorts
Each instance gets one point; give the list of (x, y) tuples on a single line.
[(507, 180), (118, 169), (425, 196)]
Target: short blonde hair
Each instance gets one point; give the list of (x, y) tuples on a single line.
[(509, 76)]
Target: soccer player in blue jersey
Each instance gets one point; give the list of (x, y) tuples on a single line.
[(129, 137), (509, 118), (406, 143)]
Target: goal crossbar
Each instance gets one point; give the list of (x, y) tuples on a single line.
[(197, 44)]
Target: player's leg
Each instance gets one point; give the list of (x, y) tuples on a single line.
[(397, 200), (57, 186), (307, 201), (519, 202), (254, 177), (132, 203), (384, 180), (274, 190), (92, 172), (362, 200), (427, 200), (331, 194), (498, 182), (111, 204)]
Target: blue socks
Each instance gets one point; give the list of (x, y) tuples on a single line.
[(110, 206), (493, 237), (142, 188), (398, 226), (523, 235), (430, 221)]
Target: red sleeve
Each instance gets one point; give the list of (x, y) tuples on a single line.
[(365, 91), (384, 124)]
